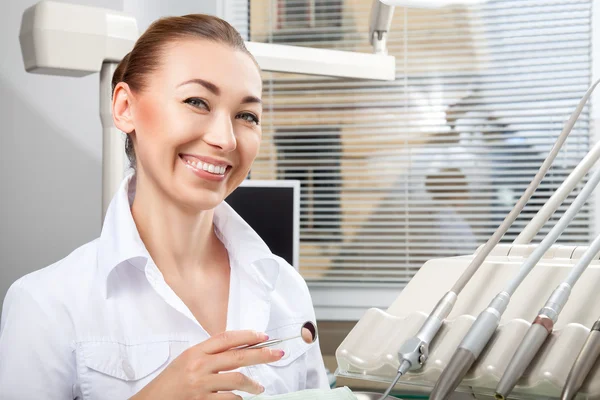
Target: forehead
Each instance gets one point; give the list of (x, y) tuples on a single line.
[(232, 70)]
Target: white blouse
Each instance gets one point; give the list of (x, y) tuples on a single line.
[(102, 322)]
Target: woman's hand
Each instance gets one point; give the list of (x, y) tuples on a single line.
[(195, 373)]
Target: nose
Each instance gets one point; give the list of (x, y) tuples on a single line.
[(220, 133)]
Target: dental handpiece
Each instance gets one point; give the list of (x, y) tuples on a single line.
[(543, 324), (414, 352), (487, 322), (583, 364)]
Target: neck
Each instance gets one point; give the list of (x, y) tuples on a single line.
[(178, 241)]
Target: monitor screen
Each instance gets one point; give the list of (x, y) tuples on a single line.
[(272, 209)]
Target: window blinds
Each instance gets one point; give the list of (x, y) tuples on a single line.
[(396, 173), (236, 12)]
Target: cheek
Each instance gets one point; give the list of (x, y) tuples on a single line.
[(148, 119), (160, 129), (249, 145)]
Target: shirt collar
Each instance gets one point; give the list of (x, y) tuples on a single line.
[(120, 240)]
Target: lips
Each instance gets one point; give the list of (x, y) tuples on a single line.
[(211, 166)]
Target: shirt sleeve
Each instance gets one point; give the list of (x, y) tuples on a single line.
[(36, 355), (316, 376)]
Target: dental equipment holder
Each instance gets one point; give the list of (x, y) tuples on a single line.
[(370, 349)]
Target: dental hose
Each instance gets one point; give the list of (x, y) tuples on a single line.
[(488, 320), (414, 352), (392, 385)]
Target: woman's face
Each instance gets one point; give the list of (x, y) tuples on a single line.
[(196, 123)]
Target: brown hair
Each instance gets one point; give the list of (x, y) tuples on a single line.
[(145, 56)]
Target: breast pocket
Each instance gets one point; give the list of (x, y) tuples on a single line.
[(289, 373), (114, 370)]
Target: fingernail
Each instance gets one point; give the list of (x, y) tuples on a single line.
[(278, 353), (264, 336), (262, 388)]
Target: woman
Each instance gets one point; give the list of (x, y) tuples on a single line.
[(154, 307)]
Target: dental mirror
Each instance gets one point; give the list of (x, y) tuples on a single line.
[(308, 334)]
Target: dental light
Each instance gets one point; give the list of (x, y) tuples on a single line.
[(74, 40), (414, 352)]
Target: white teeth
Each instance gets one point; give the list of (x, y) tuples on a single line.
[(213, 169)]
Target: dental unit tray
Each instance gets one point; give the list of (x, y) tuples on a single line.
[(370, 351)]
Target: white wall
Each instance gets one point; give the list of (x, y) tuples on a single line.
[(50, 147), (50, 139), (147, 11)]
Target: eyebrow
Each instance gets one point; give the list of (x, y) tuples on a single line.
[(251, 99), (215, 90)]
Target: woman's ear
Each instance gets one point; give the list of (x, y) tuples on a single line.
[(121, 108)]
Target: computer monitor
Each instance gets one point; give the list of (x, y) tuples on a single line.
[(272, 209)]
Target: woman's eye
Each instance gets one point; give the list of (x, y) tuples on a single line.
[(196, 102), (249, 118)]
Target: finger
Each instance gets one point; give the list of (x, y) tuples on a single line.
[(227, 340), (307, 336), (224, 396), (233, 381), (234, 359)]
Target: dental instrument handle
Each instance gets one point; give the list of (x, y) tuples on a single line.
[(583, 364), (542, 216), (268, 343), (470, 348), (415, 351), (560, 295), (434, 320), (557, 301), (533, 340), (457, 368), (530, 345)]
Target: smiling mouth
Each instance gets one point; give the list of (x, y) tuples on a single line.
[(199, 165)]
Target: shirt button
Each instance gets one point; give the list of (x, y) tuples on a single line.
[(129, 372)]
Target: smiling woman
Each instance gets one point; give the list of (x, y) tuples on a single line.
[(159, 305)]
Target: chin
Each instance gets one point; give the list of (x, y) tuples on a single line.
[(198, 199)]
